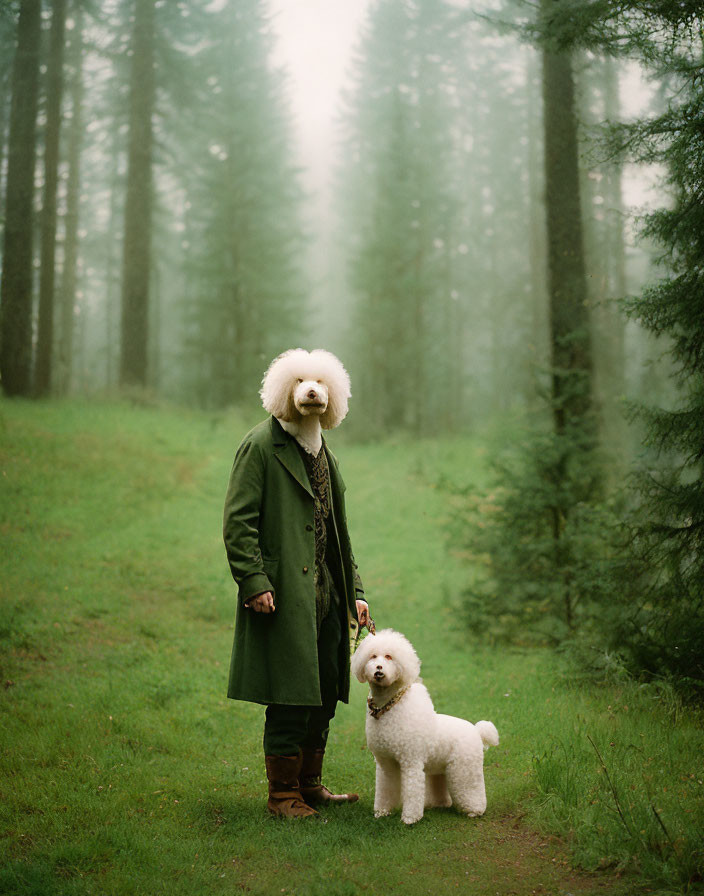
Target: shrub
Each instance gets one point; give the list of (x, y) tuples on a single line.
[(544, 539)]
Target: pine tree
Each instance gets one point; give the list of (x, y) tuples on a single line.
[(16, 290), (239, 218), (136, 259), (540, 524), (399, 175), (47, 270), (8, 27), (667, 631), (73, 187), (569, 324), (656, 614), (441, 223), (604, 219)]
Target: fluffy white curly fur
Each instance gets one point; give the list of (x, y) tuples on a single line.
[(423, 758), (298, 366)]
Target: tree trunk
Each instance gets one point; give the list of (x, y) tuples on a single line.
[(112, 261), (136, 258), (570, 334), (155, 330), (604, 239), (73, 192), (536, 226), (567, 285), (6, 61), (16, 290), (617, 240), (47, 270)]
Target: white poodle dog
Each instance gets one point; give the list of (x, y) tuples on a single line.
[(306, 392), (423, 758)]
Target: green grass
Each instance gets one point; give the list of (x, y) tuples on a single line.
[(125, 770), (628, 782)]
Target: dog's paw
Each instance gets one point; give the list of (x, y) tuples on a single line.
[(381, 813), (410, 819)]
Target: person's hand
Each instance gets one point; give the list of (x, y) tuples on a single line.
[(362, 612), (262, 603)]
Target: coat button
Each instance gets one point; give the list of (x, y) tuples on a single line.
[(309, 528), (305, 569)]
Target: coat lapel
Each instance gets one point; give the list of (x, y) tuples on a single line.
[(287, 453)]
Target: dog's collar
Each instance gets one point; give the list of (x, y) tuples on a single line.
[(377, 711)]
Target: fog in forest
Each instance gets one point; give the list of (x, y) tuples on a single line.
[(491, 211), (230, 180)]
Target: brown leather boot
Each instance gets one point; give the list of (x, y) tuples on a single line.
[(285, 800), (313, 791)]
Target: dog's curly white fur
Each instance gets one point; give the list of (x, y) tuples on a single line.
[(306, 392), (423, 758)]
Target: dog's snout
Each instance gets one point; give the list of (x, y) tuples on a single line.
[(379, 667), (312, 393)]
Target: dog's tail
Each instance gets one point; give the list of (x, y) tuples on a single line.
[(488, 733)]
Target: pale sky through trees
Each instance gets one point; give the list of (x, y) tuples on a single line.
[(316, 40)]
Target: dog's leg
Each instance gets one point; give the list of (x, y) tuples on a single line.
[(387, 794), (412, 792), (436, 792), (465, 781)]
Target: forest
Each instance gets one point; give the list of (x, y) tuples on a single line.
[(507, 253)]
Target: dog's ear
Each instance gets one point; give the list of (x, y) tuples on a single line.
[(279, 382), (359, 659), (336, 378), (291, 412), (405, 658)]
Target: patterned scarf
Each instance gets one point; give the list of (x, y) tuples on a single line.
[(319, 477)]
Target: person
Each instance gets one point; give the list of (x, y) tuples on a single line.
[(301, 600)]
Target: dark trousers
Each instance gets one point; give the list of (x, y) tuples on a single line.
[(290, 728)]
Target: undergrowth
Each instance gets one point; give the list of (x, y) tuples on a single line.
[(629, 785)]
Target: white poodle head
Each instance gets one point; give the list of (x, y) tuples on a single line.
[(385, 658), (301, 384)]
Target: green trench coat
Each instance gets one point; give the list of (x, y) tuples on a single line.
[(270, 542)]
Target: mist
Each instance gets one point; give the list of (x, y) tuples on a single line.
[(304, 176), (491, 214)]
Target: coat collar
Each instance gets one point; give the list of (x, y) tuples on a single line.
[(286, 451)]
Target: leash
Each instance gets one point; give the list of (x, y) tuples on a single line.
[(357, 632)]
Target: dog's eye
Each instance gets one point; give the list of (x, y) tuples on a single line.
[(387, 657), (373, 656), (299, 380)]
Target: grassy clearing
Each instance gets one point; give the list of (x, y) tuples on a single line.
[(125, 770)]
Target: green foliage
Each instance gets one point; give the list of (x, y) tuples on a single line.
[(660, 630), (544, 536), (665, 633), (636, 576)]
